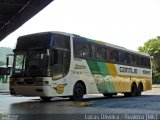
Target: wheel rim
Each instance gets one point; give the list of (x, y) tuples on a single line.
[(78, 92)]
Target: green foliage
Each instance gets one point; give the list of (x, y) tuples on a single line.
[(156, 79), (3, 52), (152, 47)]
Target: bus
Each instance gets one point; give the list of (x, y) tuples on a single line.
[(5, 74), (4, 78), (60, 64)]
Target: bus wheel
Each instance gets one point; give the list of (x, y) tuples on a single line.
[(46, 99), (139, 90), (133, 90), (78, 92)]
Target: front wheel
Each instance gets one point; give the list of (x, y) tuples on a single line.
[(78, 92)]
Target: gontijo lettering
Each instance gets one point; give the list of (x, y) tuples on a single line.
[(146, 72), (128, 70)]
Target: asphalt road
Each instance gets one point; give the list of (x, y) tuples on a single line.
[(94, 107)]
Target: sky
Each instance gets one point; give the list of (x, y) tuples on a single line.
[(126, 23)]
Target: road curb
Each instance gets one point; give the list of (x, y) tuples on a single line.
[(156, 86)]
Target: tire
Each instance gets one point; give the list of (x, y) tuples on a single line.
[(133, 91), (139, 90), (78, 92), (46, 99)]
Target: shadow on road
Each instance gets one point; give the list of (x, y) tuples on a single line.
[(63, 105)]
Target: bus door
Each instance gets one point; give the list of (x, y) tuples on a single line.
[(60, 62)]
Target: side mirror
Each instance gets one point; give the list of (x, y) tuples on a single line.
[(9, 59)]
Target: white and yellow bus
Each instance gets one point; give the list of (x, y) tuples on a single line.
[(61, 64)]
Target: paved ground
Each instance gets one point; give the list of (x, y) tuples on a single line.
[(146, 106)]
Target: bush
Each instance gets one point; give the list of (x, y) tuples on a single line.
[(156, 79)]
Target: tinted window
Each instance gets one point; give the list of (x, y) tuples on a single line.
[(81, 49), (127, 58), (42, 40), (100, 53), (84, 49), (115, 56), (62, 41), (145, 62), (121, 57), (109, 55)]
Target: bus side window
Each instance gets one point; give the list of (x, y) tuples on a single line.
[(145, 62), (57, 64), (93, 54), (142, 61), (103, 53), (60, 63), (131, 59), (127, 58), (62, 41), (134, 60), (136, 57), (115, 56), (85, 50), (100, 53), (77, 47), (81, 49), (121, 58), (109, 55)]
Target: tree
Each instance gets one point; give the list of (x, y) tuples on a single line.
[(152, 47), (3, 52)]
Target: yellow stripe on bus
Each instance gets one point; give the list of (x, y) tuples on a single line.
[(111, 68)]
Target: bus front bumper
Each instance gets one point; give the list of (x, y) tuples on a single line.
[(32, 91)]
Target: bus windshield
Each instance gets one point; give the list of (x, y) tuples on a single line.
[(31, 63)]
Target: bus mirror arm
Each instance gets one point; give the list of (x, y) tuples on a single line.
[(7, 62)]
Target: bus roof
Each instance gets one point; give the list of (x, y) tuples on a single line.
[(90, 40), (113, 46)]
